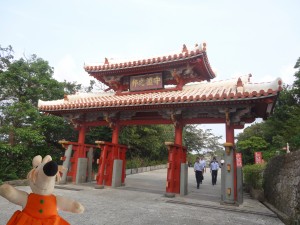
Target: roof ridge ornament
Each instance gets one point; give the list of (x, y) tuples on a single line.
[(184, 49), (239, 86)]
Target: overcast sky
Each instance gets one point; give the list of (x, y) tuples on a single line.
[(261, 37)]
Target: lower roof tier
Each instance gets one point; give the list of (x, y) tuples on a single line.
[(239, 97)]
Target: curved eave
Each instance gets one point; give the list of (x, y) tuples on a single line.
[(156, 104), (151, 65)]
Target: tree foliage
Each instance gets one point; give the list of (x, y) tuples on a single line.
[(198, 140), (24, 131), (281, 128), (147, 141)]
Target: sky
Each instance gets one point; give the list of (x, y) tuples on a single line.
[(261, 37)]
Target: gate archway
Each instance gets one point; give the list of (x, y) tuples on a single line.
[(172, 89)]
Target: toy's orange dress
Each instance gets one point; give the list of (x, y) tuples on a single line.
[(39, 210)]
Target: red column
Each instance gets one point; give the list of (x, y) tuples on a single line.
[(115, 134), (230, 134), (81, 140), (176, 156), (102, 164), (79, 151), (178, 134)]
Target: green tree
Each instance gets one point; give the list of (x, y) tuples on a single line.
[(6, 55), (296, 85), (147, 142), (196, 139), (282, 127), (24, 131), (250, 145)]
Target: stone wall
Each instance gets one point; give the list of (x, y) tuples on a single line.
[(282, 184)]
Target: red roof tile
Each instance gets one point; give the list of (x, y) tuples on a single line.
[(227, 90), (107, 71)]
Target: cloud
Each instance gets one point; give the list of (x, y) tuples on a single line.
[(68, 69), (287, 74)]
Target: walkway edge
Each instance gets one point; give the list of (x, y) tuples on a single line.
[(281, 215)]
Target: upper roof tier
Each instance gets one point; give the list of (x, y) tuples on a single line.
[(175, 69)]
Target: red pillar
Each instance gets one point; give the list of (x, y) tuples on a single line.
[(229, 134), (178, 134), (81, 140), (102, 163), (79, 152), (115, 134), (176, 157)]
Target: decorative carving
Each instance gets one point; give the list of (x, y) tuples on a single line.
[(110, 119), (188, 71), (204, 46), (114, 84), (236, 118), (73, 118), (175, 75), (66, 97), (184, 49), (175, 117), (239, 86), (227, 116)]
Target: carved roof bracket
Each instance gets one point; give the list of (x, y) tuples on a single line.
[(176, 116), (115, 78), (73, 118), (110, 118), (227, 112), (236, 117), (176, 75), (188, 71)]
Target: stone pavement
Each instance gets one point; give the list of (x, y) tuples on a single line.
[(142, 202)]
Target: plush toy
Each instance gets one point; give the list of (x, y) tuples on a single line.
[(40, 207)]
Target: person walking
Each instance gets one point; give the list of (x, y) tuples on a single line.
[(214, 167), (222, 162), (203, 166), (198, 172)]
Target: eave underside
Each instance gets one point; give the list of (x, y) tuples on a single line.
[(234, 112)]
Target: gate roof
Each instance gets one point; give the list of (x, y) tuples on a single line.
[(186, 66), (204, 102)]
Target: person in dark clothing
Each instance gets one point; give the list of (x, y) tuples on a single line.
[(198, 168), (214, 167)]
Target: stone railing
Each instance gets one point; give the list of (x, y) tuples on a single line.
[(145, 169)]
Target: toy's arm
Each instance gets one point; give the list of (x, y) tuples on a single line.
[(13, 195), (69, 205)]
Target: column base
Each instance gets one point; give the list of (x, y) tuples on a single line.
[(169, 195), (98, 186), (231, 203)]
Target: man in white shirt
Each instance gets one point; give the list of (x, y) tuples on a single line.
[(198, 168), (214, 167)]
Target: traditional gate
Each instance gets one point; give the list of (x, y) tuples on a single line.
[(171, 89)]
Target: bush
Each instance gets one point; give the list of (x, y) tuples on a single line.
[(253, 175), (13, 164), (134, 163)]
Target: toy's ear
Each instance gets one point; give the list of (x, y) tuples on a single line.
[(37, 160), (47, 158)]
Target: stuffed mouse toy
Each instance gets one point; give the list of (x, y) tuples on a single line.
[(40, 207)]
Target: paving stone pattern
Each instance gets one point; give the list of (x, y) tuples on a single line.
[(142, 202)]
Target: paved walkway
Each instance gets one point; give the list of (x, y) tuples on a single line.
[(142, 202)]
